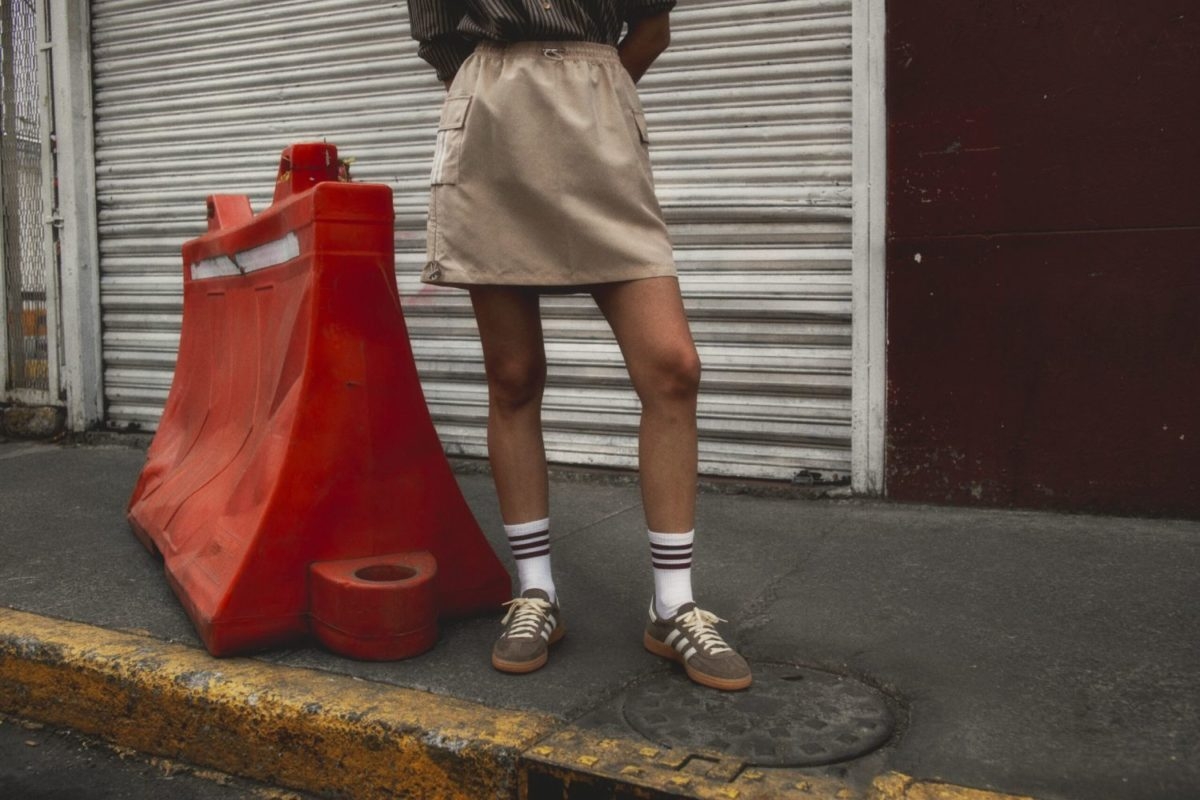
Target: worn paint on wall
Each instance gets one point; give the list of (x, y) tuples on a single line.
[(1044, 254)]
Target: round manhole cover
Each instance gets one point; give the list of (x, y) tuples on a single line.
[(789, 717)]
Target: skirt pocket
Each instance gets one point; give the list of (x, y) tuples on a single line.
[(448, 153), (639, 117)]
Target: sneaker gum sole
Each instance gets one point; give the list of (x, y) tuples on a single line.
[(521, 667), (666, 651)]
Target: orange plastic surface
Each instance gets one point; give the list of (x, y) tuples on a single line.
[(296, 430), (375, 609)]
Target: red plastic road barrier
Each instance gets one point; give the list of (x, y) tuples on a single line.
[(296, 435)]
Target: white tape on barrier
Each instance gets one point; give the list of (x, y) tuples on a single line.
[(271, 254), (219, 267)]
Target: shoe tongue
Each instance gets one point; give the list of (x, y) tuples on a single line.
[(540, 594), (683, 609)]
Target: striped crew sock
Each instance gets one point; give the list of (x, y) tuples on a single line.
[(671, 555), (530, 543)]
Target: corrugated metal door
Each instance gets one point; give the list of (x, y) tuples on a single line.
[(750, 121)]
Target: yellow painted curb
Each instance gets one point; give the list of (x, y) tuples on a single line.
[(293, 727), (604, 763), (898, 786)]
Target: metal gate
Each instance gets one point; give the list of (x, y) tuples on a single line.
[(750, 119), (26, 279)]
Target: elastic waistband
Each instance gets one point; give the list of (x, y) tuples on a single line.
[(556, 51)]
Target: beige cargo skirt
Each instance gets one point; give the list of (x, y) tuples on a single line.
[(541, 176)]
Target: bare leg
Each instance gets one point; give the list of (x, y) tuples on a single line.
[(648, 319), (514, 356), (510, 329)]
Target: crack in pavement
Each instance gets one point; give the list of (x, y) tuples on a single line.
[(754, 615), (594, 523)]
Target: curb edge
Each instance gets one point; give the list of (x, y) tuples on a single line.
[(294, 727)]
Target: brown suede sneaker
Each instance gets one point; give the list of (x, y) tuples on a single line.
[(691, 639), (532, 624)]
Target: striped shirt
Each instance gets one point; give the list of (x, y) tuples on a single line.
[(447, 30)]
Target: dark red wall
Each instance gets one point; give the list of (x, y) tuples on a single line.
[(1043, 271)]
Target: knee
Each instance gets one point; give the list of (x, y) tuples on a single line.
[(675, 377), (515, 383)]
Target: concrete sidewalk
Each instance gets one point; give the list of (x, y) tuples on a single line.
[(1021, 653)]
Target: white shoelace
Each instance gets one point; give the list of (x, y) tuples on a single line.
[(699, 623), (528, 615)]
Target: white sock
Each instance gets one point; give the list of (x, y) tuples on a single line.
[(530, 543), (671, 555)]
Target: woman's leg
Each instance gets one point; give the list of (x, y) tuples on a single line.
[(510, 329), (650, 325)]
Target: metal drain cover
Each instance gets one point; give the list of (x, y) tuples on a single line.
[(789, 717)]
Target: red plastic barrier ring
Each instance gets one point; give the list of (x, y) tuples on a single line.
[(381, 608)]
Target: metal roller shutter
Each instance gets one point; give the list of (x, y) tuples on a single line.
[(750, 120)]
